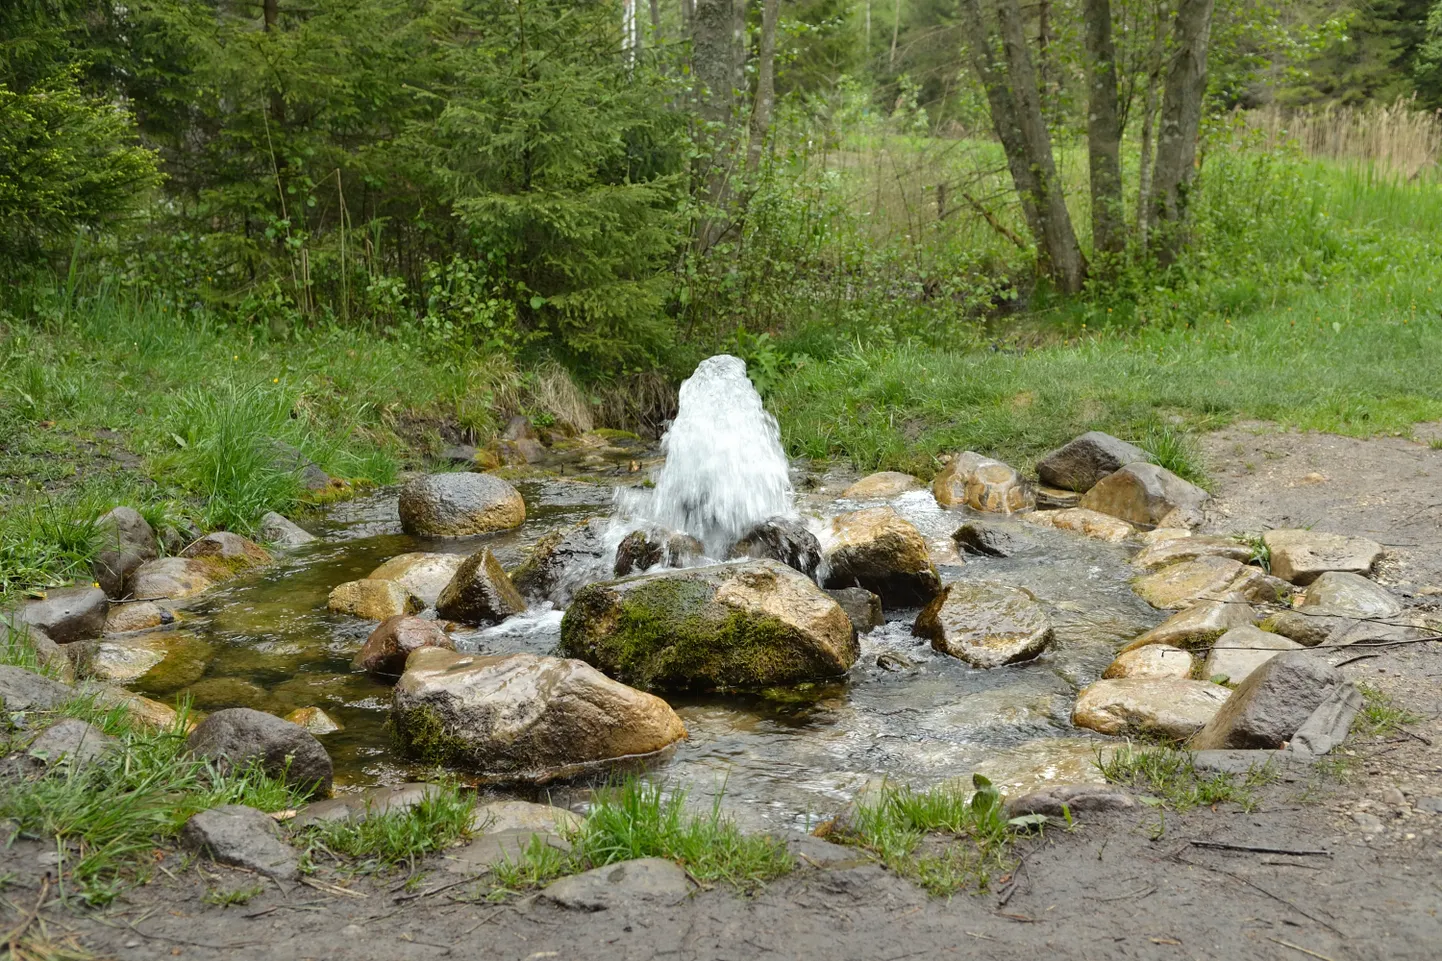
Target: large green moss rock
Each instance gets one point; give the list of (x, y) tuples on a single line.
[(726, 626)]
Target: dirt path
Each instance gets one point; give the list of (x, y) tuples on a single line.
[(1122, 887)]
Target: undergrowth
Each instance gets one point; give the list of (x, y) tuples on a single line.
[(1170, 777), (641, 819), (383, 841), (1380, 714)]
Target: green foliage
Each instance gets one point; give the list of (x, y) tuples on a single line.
[(106, 818), (1380, 714), (382, 841), (1170, 775), (976, 833), (641, 819), (47, 541), (225, 897), (1176, 451)]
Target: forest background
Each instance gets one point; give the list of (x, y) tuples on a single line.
[(364, 230)]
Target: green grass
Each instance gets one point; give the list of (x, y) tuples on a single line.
[(225, 897), (383, 841), (107, 818), (1380, 715), (1169, 776), (974, 832), (640, 819)]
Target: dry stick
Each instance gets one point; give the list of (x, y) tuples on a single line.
[(1298, 947), (402, 898), (29, 918), (1275, 897), (992, 221), (1256, 849)]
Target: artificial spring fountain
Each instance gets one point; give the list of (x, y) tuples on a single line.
[(787, 751)]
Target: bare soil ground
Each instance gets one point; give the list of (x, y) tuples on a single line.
[(1121, 887)]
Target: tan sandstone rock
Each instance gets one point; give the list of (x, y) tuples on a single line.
[(1153, 660), (1167, 707), (373, 599), (878, 550), (982, 484), (985, 625)]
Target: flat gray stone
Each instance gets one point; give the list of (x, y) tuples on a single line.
[(814, 852), (990, 540), (1056, 800), (1328, 725), (239, 736), (1341, 592), (282, 531), (483, 854), (126, 541), (648, 880), (1246, 762), (358, 807), (22, 690), (496, 816), (1301, 556), (1432, 805), (68, 614), (72, 741), (862, 606), (243, 837)]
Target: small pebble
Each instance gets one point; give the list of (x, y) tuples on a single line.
[(1369, 823), (1394, 797), (1432, 805), (352, 930)]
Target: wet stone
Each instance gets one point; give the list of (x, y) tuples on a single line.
[(424, 575), (68, 614), (881, 486), (878, 550), (1182, 585), (230, 551), (973, 480), (1167, 707), (138, 616), (373, 600), (782, 539), (314, 720), (1151, 660), (283, 532), (861, 606), (1081, 463), (548, 573), (386, 649), (989, 540), (985, 625), (1078, 520), (480, 593), (1197, 626), (461, 504)]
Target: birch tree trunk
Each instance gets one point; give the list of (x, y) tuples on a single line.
[(1180, 124), (1058, 237), (1104, 131), (765, 85)]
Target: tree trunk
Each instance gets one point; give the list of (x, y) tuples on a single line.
[(1181, 122), (713, 58), (765, 85), (1104, 131), (656, 22), (270, 11), (1058, 237), (1003, 118), (1149, 117)]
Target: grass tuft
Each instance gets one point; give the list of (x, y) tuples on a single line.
[(383, 841), (1380, 715), (223, 898), (1177, 452), (1171, 776)]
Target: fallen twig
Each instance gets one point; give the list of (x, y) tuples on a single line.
[(1258, 849), (1275, 897), (29, 917), (1298, 947), (332, 888), (402, 898)]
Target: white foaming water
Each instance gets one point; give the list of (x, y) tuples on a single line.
[(725, 470)]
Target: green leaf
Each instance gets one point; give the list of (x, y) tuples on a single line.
[(537, 301)]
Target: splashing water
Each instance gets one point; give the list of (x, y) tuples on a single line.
[(725, 470)]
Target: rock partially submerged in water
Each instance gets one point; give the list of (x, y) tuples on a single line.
[(862, 606), (730, 625), (650, 547), (981, 483), (389, 645), (1079, 520), (137, 616), (67, 614), (781, 539), (878, 550), (457, 505), (282, 531), (985, 625), (881, 486), (520, 717), (551, 570), (216, 557), (1147, 495), (481, 592), (423, 574), (373, 599)]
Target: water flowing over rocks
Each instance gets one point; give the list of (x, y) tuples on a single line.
[(1240, 651), (1338, 592), (731, 625), (457, 505), (1165, 707), (67, 614), (373, 599), (1152, 660), (1301, 556), (862, 606), (1148, 496), (127, 541), (988, 540), (881, 486), (981, 483), (313, 720), (423, 574), (386, 649), (521, 717), (1268, 708), (1081, 463), (781, 539), (137, 616), (560, 562), (480, 592), (237, 737), (985, 625), (878, 550), (650, 547)]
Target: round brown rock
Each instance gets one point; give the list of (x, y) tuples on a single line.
[(456, 505), (985, 625), (388, 646)]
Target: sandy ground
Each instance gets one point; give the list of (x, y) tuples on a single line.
[(1119, 887)]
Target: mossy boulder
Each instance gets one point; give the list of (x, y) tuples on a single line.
[(752, 624), (560, 559), (521, 717)]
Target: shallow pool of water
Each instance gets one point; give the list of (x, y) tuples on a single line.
[(783, 755)]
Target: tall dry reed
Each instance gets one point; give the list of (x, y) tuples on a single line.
[(1398, 137)]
